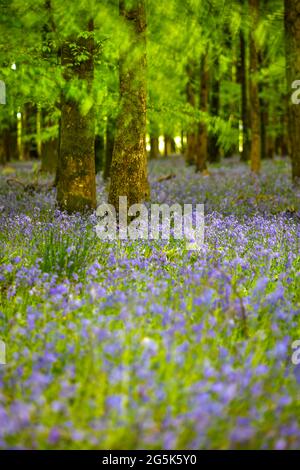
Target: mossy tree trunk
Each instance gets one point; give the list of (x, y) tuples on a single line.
[(76, 183), (292, 34), (202, 138), (129, 163), (255, 147)]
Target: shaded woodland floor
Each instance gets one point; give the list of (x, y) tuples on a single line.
[(144, 344)]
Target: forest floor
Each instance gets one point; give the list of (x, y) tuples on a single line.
[(146, 344)]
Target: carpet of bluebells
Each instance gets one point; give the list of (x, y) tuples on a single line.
[(130, 345)]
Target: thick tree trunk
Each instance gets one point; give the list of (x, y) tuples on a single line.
[(244, 98), (202, 138), (76, 186), (129, 164), (190, 155), (292, 34), (255, 148)]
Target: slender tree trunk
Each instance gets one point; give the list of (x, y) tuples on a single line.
[(76, 187), (3, 151), (264, 108), (29, 132), (202, 138), (255, 149), (154, 147), (169, 146), (191, 149), (129, 163), (99, 152), (9, 145), (244, 105), (271, 131), (213, 144), (183, 143), (292, 36), (109, 147), (154, 140)]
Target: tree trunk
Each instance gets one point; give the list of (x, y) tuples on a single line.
[(244, 87), (76, 186), (292, 35), (169, 146), (264, 107), (3, 154), (154, 147), (154, 140), (109, 147), (271, 132), (191, 149), (129, 164), (29, 148), (255, 148), (9, 145), (99, 152), (202, 138), (213, 144)]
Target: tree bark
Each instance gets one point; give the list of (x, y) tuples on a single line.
[(255, 148), (129, 163), (202, 138), (76, 186), (292, 35)]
